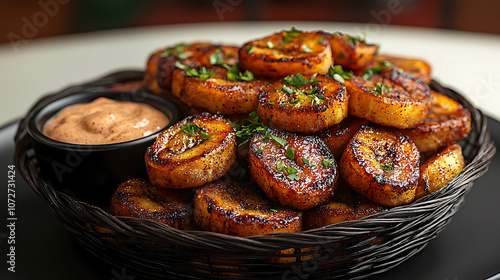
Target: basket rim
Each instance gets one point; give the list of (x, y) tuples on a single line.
[(483, 152)]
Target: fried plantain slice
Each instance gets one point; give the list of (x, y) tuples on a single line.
[(349, 51), (382, 166), (446, 122), (303, 103), (241, 209), (138, 198), (197, 150), (346, 205), (286, 53), (295, 170), (440, 169), (161, 64), (418, 68), (391, 99), (337, 137), (214, 92)]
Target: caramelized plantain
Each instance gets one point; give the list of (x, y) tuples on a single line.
[(295, 170), (337, 137), (241, 209), (346, 205), (286, 53), (197, 150), (416, 67), (303, 103), (440, 169), (446, 122), (216, 94), (349, 51), (161, 64), (382, 166), (390, 99), (138, 198)]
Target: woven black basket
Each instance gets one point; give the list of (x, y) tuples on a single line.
[(353, 249)]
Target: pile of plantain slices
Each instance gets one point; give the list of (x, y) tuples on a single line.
[(294, 131)]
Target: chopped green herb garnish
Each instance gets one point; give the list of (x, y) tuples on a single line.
[(270, 45), (327, 162), (280, 166), (180, 65), (298, 80), (249, 49), (321, 40), (288, 90), (273, 210), (290, 153), (293, 103), (386, 167), (386, 63), (291, 34), (217, 58), (380, 89), (234, 74), (338, 74), (194, 130), (307, 162), (228, 196), (203, 73), (282, 142), (292, 173), (306, 49), (259, 151), (177, 51), (247, 128)]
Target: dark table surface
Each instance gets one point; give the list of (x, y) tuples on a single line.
[(468, 248)]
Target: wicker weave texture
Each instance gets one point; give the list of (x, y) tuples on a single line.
[(353, 249)]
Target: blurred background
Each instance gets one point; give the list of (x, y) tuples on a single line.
[(23, 19)]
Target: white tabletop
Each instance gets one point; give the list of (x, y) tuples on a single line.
[(466, 62)]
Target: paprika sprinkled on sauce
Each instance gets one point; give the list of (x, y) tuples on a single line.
[(104, 121)]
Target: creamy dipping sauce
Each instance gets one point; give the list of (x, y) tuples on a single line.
[(104, 121)]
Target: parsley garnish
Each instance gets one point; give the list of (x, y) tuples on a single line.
[(249, 49), (380, 89), (307, 162), (282, 142), (293, 103), (386, 167), (298, 80), (338, 74), (291, 34), (288, 90), (234, 74), (177, 51), (270, 45), (292, 173), (203, 73), (194, 129), (306, 49), (368, 74), (247, 128), (290, 153), (280, 166), (273, 210), (217, 58), (327, 162)]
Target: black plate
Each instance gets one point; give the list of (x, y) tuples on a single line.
[(468, 248)]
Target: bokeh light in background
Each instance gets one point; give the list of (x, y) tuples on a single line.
[(45, 18)]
